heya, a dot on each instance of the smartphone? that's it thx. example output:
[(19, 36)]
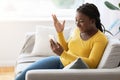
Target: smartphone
[(52, 37)]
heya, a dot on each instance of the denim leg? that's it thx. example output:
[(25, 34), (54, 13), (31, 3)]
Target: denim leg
[(52, 62)]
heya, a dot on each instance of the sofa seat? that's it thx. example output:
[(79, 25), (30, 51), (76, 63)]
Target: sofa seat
[(25, 60)]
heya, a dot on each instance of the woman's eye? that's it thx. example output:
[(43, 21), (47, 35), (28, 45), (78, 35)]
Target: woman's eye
[(81, 21)]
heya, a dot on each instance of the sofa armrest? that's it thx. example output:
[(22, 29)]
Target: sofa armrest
[(74, 74)]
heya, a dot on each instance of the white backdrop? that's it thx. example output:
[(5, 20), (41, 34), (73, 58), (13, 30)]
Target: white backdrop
[(107, 16)]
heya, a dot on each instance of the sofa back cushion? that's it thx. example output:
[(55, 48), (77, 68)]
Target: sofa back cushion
[(111, 56)]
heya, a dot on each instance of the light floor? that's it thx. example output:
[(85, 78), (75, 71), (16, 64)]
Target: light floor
[(6, 73)]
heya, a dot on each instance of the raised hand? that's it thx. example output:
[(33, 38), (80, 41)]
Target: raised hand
[(58, 26)]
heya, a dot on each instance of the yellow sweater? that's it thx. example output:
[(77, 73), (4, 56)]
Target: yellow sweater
[(90, 51)]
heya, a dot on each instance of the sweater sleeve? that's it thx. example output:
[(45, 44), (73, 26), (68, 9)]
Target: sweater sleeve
[(96, 53), (62, 41)]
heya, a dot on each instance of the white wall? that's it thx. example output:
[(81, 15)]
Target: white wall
[(12, 34), (107, 16)]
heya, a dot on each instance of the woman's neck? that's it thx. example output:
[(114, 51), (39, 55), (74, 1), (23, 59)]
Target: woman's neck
[(87, 34), (90, 31)]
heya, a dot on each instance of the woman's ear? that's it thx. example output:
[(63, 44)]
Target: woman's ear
[(93, 21)]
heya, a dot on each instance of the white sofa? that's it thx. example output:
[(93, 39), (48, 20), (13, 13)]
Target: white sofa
[(25, 59)]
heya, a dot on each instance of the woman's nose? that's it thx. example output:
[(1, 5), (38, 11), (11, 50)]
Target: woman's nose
[(78, 24)]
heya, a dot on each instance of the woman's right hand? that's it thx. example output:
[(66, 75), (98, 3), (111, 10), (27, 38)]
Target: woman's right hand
[(58, 26)]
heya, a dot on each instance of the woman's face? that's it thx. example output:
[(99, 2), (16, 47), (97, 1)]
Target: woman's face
[(83, 22)]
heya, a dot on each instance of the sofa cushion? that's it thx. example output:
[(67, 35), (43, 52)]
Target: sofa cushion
[(42, 44), (27, 58), (28, 43), (111, 56), (77, 64)]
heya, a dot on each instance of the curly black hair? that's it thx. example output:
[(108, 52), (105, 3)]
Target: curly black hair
[(91, 11)]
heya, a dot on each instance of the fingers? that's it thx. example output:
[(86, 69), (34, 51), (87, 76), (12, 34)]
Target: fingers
[(63, 23), (58, 44), (53, 44), (54, 18)]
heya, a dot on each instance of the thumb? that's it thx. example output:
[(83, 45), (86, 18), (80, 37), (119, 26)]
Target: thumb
[(64, 23), (58, 44)]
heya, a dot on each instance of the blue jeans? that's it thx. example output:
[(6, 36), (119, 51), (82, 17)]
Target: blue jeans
[(52, 62)]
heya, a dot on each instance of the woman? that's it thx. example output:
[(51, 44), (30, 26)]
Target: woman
[(87, 42)]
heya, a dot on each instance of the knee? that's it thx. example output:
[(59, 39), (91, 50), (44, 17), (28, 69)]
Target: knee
[(19, 77)]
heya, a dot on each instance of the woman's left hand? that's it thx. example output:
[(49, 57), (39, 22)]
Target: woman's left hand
[(56, 47)]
